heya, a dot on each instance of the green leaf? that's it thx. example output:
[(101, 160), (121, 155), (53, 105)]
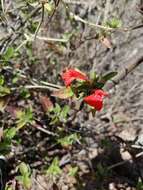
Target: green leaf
[(24, 169), (139, 185), (10, 133), (1, 80), (64, 112), (27, 182), (73, 171), (24, 178), (54, 168), (114, 23), (8, 187), (56, 109), (108, 76), (24, 118), (9, 53), (24, 93), (103, 79), (19, 178), (93, 75), (4, 91), (49, 7), (100, 169), (68, 140)]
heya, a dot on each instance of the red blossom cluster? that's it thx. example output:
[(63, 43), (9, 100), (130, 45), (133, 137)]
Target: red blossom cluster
[(95, 99)]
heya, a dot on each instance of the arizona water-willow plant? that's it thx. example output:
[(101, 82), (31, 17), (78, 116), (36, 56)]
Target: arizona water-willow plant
[(56, 100)]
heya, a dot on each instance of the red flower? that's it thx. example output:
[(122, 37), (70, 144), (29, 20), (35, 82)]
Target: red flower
[(96, 99), (71, 74)]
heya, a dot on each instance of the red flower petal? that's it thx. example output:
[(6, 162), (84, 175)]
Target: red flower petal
[(96, 99), (71, 74), (100, 92)]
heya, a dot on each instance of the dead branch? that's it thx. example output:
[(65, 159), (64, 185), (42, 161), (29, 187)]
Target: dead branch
[(124, 72)]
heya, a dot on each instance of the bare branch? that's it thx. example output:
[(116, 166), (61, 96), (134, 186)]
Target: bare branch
[(124, 72)]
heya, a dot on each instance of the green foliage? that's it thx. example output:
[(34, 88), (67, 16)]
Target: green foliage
[(25, 177), (108, 76), (49, 7), (73, 171), (24, 93), (102, 172), (114, 23), (54, 170), (8, 187), (10, 133), (24, 117), (29, 52), (8, 54), (139, 185), (59, 114), (100, 81), (64, 113), (3, 89), (93, 75), (1, 80), (68, 140), (5, 144)]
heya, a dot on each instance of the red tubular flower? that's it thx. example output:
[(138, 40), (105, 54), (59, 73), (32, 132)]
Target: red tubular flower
[(70, 75), (96, 99)]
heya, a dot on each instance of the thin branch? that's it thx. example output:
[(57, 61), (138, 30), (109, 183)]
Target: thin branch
[(12, 37), (48, 39), (78, 18), (56, 6), (3, 6), (41, 21), (33, 81), (46, 131), (49, 87), (124, 72), (124, 161)]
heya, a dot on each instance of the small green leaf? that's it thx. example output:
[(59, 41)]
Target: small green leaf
[(19, 178), (114, 23), (4, 91), (56, 109), (100, 169), (27, 182), (9, 53), (25, 177), (10, 133), (24, 169), (24, 118), (8, 187), (24, 93), (93, 75), (54, 168), (68, 140), (1, 80), (139, 185), (73, 171), (64, 112), (49, 7), (108, 76)]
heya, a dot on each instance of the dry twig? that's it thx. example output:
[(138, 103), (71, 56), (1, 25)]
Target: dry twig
[(124, 72)]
